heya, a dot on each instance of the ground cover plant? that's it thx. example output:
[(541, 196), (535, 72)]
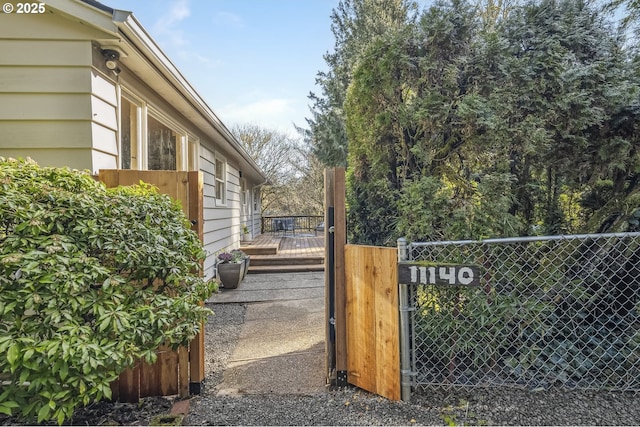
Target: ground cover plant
[(91, 280)]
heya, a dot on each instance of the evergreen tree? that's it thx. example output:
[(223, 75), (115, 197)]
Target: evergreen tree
[(459, 129), (355, 24)]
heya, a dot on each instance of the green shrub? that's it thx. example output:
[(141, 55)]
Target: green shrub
[(91, 280)]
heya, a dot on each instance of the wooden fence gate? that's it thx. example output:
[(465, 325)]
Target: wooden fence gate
[(363, 332), (175, 372), (373, 340)]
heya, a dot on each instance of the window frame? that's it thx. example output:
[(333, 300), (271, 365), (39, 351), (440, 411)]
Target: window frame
[(182, 155), (136, 134), (187, 145), (244, 193), (220, 202), (256, 199)]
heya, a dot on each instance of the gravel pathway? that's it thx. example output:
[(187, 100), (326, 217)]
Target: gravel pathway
[(351, 406)]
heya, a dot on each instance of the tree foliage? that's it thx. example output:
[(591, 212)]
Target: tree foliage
[(295, 180), (91, 280), (355, 23), (532, 120)]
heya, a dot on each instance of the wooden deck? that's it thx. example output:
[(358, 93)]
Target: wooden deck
[(275, 252)]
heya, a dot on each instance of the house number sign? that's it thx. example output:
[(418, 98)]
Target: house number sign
[(413, 273)]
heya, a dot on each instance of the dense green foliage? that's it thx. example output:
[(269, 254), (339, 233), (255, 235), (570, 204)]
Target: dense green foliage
[(551, 312), (355, 23), (460, 129), (91, 280)]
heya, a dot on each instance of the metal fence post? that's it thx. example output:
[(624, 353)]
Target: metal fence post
[(403, 250), (405, 347)]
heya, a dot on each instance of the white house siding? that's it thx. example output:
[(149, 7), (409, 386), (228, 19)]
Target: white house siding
[(221, 226), (45, 90), (104, 118)]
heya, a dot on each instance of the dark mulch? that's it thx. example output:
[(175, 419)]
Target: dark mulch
[(111, 414)]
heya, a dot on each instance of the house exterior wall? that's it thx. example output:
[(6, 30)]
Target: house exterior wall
[(60, 105), (222, 223), (46, 90)]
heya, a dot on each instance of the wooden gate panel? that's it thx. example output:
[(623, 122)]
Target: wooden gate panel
[(174, 371), (373, 349)]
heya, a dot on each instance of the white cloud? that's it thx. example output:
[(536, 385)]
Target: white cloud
[(166, 25)]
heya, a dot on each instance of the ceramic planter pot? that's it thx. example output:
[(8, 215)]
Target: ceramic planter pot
[(230, 274)]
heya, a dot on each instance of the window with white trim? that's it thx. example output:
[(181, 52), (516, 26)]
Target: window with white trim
[(151, 141), (243, 192), (221, 181), (163, 146), (256, 199)]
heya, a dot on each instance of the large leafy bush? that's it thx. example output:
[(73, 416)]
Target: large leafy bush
[(91, 280)]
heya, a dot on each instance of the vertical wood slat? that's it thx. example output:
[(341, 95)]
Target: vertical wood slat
[(129, 385), (172, 372), (183, 372), (373, 331)]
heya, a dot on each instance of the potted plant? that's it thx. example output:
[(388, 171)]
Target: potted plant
[(230, 270), (232, 267), (243, 258), (246, 236)]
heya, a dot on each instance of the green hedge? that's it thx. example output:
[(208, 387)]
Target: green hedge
[(91, 279)]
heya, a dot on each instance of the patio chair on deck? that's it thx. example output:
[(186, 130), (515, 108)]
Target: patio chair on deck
[(283, 226), (289, 227)]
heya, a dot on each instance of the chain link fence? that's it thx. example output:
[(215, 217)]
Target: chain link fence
[(557, 310)]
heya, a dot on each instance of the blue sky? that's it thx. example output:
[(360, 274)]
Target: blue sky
[(253, 61)]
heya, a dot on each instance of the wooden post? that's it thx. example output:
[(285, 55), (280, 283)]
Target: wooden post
[(196, 348), (339, 241), (328, 277), (335, 291)]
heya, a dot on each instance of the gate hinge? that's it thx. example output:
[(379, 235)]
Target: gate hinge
[(332, 229), (332, 321)]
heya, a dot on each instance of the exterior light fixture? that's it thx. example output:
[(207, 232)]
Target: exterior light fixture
[(111, 58)]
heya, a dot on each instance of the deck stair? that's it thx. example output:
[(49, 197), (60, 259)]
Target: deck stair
[(276, 253), (259, 250)]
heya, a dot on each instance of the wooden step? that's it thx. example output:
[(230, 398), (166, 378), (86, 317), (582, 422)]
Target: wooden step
[(260, 250), (259, 260), (260, 269)]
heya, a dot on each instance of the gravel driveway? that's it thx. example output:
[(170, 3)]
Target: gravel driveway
[(350, 406)]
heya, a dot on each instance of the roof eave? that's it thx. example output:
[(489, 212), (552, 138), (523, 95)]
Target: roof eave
[(132, 29)]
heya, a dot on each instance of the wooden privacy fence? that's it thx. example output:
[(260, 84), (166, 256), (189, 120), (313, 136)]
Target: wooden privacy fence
[(175, 372)]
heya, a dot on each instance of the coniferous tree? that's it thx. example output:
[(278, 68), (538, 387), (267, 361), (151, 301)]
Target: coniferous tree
[(355, 24)]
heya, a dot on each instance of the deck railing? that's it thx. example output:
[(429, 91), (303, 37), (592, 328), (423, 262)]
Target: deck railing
[(293, 224)]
